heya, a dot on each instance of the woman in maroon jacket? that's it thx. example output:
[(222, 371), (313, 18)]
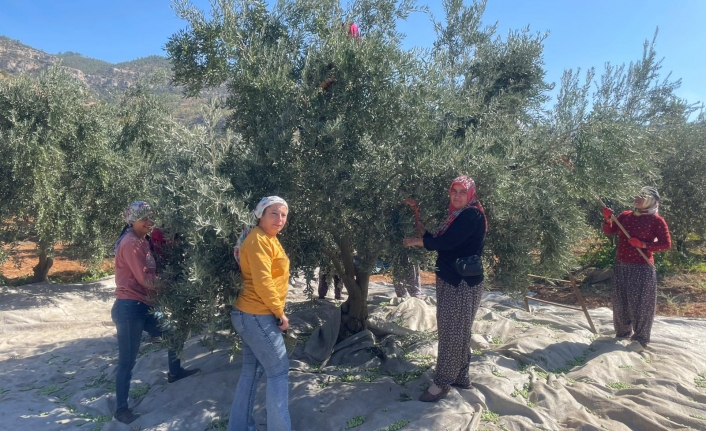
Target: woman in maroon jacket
[(634, 295)]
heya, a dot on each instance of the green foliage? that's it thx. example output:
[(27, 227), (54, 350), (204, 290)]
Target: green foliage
[(202, 214), (488, 416), (700, 380), (618, 385), (396, 426), (357, 421), (346, 128), (61, 178), (601, 254), (84, 64), (139, 391)]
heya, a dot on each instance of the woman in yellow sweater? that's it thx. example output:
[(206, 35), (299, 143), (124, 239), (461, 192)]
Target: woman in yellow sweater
[(258, 317)]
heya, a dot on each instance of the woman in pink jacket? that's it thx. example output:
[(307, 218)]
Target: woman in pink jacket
[(135, 287)]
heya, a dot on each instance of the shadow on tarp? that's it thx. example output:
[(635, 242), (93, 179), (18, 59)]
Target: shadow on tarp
[(47, 294)]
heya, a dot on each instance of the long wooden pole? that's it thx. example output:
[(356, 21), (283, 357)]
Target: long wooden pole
[(615, 220)]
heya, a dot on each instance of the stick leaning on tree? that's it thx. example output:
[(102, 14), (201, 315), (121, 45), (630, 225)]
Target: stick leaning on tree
[(615, 220)]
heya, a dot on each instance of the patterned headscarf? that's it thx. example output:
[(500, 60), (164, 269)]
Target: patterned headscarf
[(136, 211), (257, 212), (470, 186), (651, 202)]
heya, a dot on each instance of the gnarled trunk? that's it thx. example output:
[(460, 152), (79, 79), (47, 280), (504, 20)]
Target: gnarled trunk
[(41, 270), (354, 311)]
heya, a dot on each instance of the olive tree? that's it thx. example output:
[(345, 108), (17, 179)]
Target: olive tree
[(62, 181), (345, 128)]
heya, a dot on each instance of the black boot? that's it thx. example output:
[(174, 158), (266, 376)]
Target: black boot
[(125, 415)]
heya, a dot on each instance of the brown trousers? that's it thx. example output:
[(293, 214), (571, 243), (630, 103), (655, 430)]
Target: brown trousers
[(456, 308), (634, 300)]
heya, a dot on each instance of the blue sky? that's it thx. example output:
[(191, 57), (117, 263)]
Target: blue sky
[(582, 33)]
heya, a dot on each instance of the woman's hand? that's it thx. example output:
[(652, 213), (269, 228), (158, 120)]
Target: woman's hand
[(637, 243), (419, 227), (283, 323), (413, 242)]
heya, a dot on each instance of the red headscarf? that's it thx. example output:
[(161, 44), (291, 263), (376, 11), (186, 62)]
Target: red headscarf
[(470, 186)]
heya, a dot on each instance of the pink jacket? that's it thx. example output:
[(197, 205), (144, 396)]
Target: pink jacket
[(135, 270)]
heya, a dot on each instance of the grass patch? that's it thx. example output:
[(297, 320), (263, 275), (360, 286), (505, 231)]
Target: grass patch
[(218, 424), (404, 397), (150, 349), (700, 380), (3, 390), (100, 419), (578, 360), (139, 391), (357, 421), (618, 385), (408, 376), (627, 367), (372, 375), (396, 426), (50, 390), (524, 392), (488, 416)]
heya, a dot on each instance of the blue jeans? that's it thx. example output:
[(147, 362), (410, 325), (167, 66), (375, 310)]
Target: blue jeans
[(263, 351), (131, 317)]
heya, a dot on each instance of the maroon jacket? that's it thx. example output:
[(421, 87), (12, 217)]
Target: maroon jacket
[(651, 229)]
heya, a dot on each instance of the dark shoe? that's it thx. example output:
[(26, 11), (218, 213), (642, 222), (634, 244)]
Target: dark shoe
[(427, 396), (182, 374), (125, 415), (462, 386)]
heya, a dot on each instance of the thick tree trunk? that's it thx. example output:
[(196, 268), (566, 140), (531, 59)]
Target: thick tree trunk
[(354, 311), (41, 270)]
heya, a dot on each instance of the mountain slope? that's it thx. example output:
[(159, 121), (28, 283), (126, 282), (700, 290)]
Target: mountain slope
[(104, 78)]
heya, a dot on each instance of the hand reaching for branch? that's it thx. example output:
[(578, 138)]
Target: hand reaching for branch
[(413, 242)]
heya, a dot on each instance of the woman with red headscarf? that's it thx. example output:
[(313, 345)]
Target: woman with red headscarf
[(459, 242), (634, 284)]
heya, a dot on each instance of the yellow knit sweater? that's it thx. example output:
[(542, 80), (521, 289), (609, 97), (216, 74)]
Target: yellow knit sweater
[(264, 268)]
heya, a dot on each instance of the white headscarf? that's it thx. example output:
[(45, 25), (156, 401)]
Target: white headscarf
[(257, 212), (650, 204)]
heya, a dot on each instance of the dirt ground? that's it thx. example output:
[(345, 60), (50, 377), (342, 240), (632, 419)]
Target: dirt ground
[(64, 270), (678, 295)]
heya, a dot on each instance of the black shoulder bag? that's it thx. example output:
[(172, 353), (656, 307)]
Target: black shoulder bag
[(470, 266)]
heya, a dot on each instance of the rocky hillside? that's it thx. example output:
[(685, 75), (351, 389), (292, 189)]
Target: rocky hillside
[(105, 79)]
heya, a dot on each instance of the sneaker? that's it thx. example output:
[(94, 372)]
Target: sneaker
[(125, 415), (182, 374)]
